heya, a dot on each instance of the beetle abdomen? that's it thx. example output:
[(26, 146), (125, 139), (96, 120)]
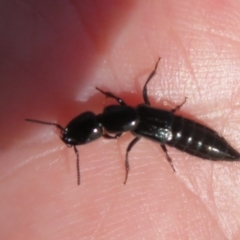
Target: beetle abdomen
[(199, 140)]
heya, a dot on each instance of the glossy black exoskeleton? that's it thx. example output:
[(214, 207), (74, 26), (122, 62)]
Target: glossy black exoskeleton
[(155, 124)]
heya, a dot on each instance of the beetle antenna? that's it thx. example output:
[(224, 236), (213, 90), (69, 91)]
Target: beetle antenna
[(78, 165), (46, 123)]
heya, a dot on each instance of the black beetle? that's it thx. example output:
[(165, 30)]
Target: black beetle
[(155, 124)]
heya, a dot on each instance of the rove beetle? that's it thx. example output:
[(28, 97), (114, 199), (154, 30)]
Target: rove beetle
[(156, 124)]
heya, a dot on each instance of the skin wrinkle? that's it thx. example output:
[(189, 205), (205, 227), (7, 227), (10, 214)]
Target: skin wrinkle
[(81, 21), (213, 202), (186, 60), (218, 217), (38, 14), (225, 120), (208, 208), (103, 217), (113, 73)]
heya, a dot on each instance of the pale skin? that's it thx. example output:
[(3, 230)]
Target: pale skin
[(53, 57)]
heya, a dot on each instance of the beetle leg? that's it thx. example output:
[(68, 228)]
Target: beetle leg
[(131, 144), (144, 92), (179, 106), (168, 157), (110, 95)]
